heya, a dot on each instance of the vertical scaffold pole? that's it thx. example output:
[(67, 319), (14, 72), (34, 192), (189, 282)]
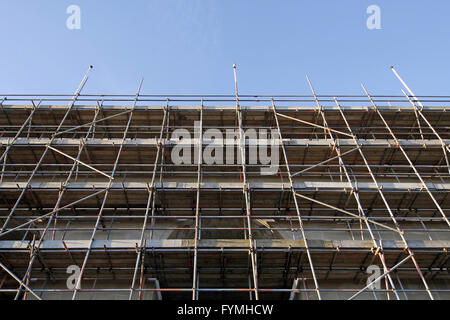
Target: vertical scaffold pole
[(294, 197), (245, 189), (150, 200), (198, 156)]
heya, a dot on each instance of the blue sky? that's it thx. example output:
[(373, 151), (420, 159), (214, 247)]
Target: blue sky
[(189, 46)]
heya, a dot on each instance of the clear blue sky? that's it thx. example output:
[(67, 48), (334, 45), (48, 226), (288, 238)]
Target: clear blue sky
[(189, 46)]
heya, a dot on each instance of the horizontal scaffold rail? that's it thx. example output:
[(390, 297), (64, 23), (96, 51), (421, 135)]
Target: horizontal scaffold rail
[(290, 108), (153, 142), (223, 243), (188, 186)]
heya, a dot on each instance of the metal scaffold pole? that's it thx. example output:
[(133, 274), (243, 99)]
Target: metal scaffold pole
[(245, 189), (294, 197)]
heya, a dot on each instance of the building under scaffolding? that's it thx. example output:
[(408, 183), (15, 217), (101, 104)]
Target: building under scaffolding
[(93, 207)]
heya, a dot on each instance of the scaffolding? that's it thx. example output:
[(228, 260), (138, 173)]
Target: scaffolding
[(89, 181)]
